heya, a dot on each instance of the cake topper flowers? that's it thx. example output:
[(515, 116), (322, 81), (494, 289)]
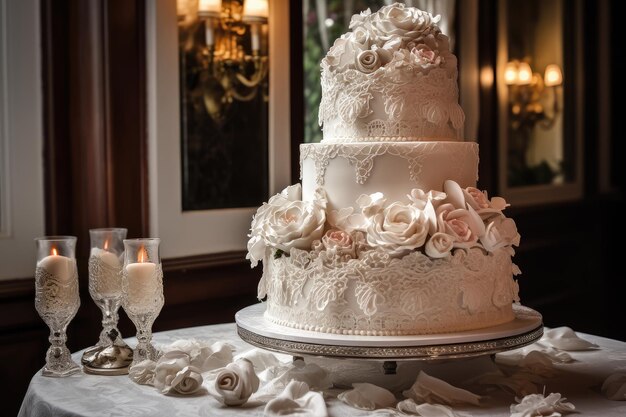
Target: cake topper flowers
[(396, 35)]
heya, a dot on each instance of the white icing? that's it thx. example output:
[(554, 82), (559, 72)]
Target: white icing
[(378, 295), (346, 171), (394, 76)]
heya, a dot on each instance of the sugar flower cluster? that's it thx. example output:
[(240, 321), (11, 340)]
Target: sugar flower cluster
[(435, 223), (395, 36)]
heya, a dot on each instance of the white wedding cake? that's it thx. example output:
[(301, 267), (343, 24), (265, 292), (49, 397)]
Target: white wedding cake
[(387, 234)]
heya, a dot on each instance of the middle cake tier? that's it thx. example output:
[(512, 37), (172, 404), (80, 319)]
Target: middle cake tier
[(347, 170)]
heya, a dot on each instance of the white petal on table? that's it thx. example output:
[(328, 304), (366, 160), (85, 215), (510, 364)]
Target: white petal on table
[(614, 387), (519, 383), (538, 405), (425, 410), (297, 400), (261, 359), (433, 390), (366, 396), (276, 378), (565, 338)]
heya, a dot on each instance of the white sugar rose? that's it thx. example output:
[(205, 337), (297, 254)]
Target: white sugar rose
[(361, 37), (368, 61), (186, 381), (407, 22), (420, 198), (286, 222), (398, 229), (500, 233), (361, 19), (344, 51), (167, 368), (439, 245), (463, 225), (235, 383)]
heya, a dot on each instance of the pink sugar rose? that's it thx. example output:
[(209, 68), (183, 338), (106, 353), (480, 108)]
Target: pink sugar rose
[(340, 242), (463, 225)]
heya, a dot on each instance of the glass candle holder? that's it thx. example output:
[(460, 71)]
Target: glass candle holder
[(105, 277), (143, 292), (110, 356), (57, 299)]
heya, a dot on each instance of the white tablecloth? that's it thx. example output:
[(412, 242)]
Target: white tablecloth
[(91, 395)]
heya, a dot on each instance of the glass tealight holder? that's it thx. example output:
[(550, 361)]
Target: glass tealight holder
[(143, 292), (57, 299), (110, 356)]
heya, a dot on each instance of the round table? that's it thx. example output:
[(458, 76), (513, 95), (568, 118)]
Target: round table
[(93, 395)]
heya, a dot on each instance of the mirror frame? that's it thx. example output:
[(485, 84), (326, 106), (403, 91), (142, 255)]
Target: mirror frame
[(186, 233), (548, 193)]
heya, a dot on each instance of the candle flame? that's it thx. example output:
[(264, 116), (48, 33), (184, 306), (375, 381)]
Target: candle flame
[(54, 251), (142, 254), (106, 244)]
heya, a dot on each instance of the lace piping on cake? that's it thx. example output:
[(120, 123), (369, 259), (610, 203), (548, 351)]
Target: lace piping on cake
[(380, 295), (366, 139), (407, 103), (362, 157)]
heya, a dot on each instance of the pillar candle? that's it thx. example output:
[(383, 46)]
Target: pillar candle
[(60, 267), (142, 282), (109, 281)]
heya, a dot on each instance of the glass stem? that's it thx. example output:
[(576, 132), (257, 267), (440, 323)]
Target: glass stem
[(110, 318)]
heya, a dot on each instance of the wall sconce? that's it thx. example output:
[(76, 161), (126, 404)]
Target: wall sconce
[(528, 91), (227, 71)]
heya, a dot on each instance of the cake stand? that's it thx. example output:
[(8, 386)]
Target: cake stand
[(526, 328)]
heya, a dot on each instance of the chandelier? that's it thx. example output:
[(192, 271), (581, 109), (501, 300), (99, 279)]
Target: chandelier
[(233, 62)]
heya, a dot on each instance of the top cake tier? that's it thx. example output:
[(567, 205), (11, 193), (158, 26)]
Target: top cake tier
[(391, 78)]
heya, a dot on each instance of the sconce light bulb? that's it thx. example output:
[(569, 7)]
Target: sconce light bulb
[(511, 73), (524, 74), (553, 76)]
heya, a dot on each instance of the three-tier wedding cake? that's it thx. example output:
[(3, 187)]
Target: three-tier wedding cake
[(387, 235)]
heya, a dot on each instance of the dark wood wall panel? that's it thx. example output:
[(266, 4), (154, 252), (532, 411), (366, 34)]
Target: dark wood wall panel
[(95, 157)]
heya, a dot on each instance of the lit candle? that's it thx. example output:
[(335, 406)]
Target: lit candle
[(142, 280), (109, 280), (60, 267)]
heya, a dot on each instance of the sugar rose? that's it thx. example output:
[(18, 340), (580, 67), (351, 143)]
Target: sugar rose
[(368, 61), (439, 245), (235, 383), (398, 229), (340, 242), (286, 222), (463, 225), (401, 21)]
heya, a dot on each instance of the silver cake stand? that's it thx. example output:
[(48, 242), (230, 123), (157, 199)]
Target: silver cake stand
[(526, 328)]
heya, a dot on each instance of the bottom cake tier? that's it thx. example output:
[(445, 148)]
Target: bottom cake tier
[(384, 296)]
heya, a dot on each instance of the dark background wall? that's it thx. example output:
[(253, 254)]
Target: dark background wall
[(95, 123)]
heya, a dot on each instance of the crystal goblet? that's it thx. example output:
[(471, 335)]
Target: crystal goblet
[(57, 299), (142, 281), (110, 356)]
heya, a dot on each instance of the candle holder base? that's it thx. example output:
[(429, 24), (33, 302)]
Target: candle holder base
[(70, 369), (113, 359)]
